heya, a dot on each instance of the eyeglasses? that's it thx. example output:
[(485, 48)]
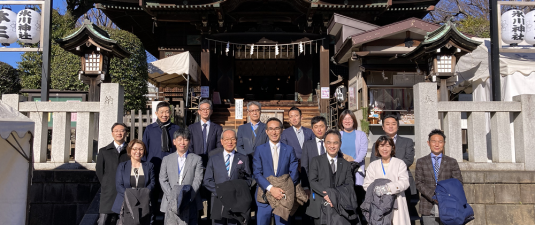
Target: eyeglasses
[(277, 129), (118, 131), (230, 139), (137, 149), (253, 111), (204, 110)]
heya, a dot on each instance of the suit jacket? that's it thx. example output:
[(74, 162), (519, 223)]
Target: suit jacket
[(245, 144), (152, 137), (263, 165), (425, 179), (107, 161), (192, 175), (320, 180), (196, 144), (405, 152), (310, 150), (289, 137), (123, 181), (216, 173)]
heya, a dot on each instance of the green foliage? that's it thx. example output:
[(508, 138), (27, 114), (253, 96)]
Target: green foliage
[(64, 65), (475, 26), (9, 81), (364, 123), (131, 73)]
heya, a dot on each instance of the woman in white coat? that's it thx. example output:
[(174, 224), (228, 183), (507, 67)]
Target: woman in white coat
[(393, 169)]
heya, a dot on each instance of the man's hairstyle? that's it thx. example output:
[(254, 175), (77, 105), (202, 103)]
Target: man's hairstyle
[(317, 119), (343, 115), (182, 132), (131, 145), (335, 132), (382, 141), (119, 124), (436, 131), (393, 117), (206, 101), (235, 135), (295, 108), (274, 119), (254, 103), (163, 104)]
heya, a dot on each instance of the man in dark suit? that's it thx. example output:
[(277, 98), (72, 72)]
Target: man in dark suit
[(158, 138), (223, 165), (431, 169), (328, 171), (108, 159), (312, 148), (252, 134), (273, 159), (296, 135), (205, 134), (405, 152)]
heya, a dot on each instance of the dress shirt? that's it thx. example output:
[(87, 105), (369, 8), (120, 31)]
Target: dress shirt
[(433, 159), (278, 147), (207, 128), (181, 165), (318, 143), (300, 135), (225, 155), (117, 146), (335, 161)]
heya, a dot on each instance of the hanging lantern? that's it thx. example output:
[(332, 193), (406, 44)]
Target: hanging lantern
[(276, 49), (252, 49), (28, 26), (301, 47), (228, 47), (530, 28), (513, 27), (8, 27)]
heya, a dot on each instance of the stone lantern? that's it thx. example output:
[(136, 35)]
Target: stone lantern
[(441, 50), (96, 50)]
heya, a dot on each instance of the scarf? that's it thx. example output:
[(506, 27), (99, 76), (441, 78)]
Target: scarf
[(165, 134)]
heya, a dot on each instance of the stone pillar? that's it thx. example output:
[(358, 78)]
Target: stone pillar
[(11, 100), (61, 137), (524, 124), (426, 114), (454, 141), (84, 137), (476, 135), (40, 136), (111, 111), (501, 137)]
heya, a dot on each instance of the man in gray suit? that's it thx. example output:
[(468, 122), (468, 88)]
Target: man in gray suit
[(405, 152), (182, 168)]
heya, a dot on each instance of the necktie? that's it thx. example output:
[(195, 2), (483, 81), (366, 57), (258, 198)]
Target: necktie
[(322, 149), (204, 131), (275, 155), (119, 149), (333, 166), (437, 168), (300, 137), (227, 164)]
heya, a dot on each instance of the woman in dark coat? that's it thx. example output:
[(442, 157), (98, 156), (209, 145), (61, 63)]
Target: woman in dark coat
[(133, 173)]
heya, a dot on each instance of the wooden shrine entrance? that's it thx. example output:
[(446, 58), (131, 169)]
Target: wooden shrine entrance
[(265, 79)]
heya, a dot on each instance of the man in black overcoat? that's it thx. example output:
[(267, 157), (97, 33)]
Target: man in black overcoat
[(108, 159)]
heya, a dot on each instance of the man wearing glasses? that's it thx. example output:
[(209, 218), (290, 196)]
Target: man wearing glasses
[(273, 159), (108, 159), (205, 138), (252, 134)]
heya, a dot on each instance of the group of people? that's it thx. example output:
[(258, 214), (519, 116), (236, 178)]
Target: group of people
[(316, 174)]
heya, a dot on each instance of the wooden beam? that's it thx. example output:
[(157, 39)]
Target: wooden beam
[(324, 75), (20, 49)]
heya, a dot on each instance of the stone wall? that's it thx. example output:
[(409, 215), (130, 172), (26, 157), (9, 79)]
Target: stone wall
[(61, 196), (504, 197)]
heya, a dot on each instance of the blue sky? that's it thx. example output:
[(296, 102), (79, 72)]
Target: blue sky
[(12, 58)]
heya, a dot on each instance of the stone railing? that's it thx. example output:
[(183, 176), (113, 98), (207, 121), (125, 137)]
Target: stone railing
[(511, 146), (109, 111)]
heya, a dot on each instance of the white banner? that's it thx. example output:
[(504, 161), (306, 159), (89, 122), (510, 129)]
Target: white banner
[(325, 93), (238, 106)]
